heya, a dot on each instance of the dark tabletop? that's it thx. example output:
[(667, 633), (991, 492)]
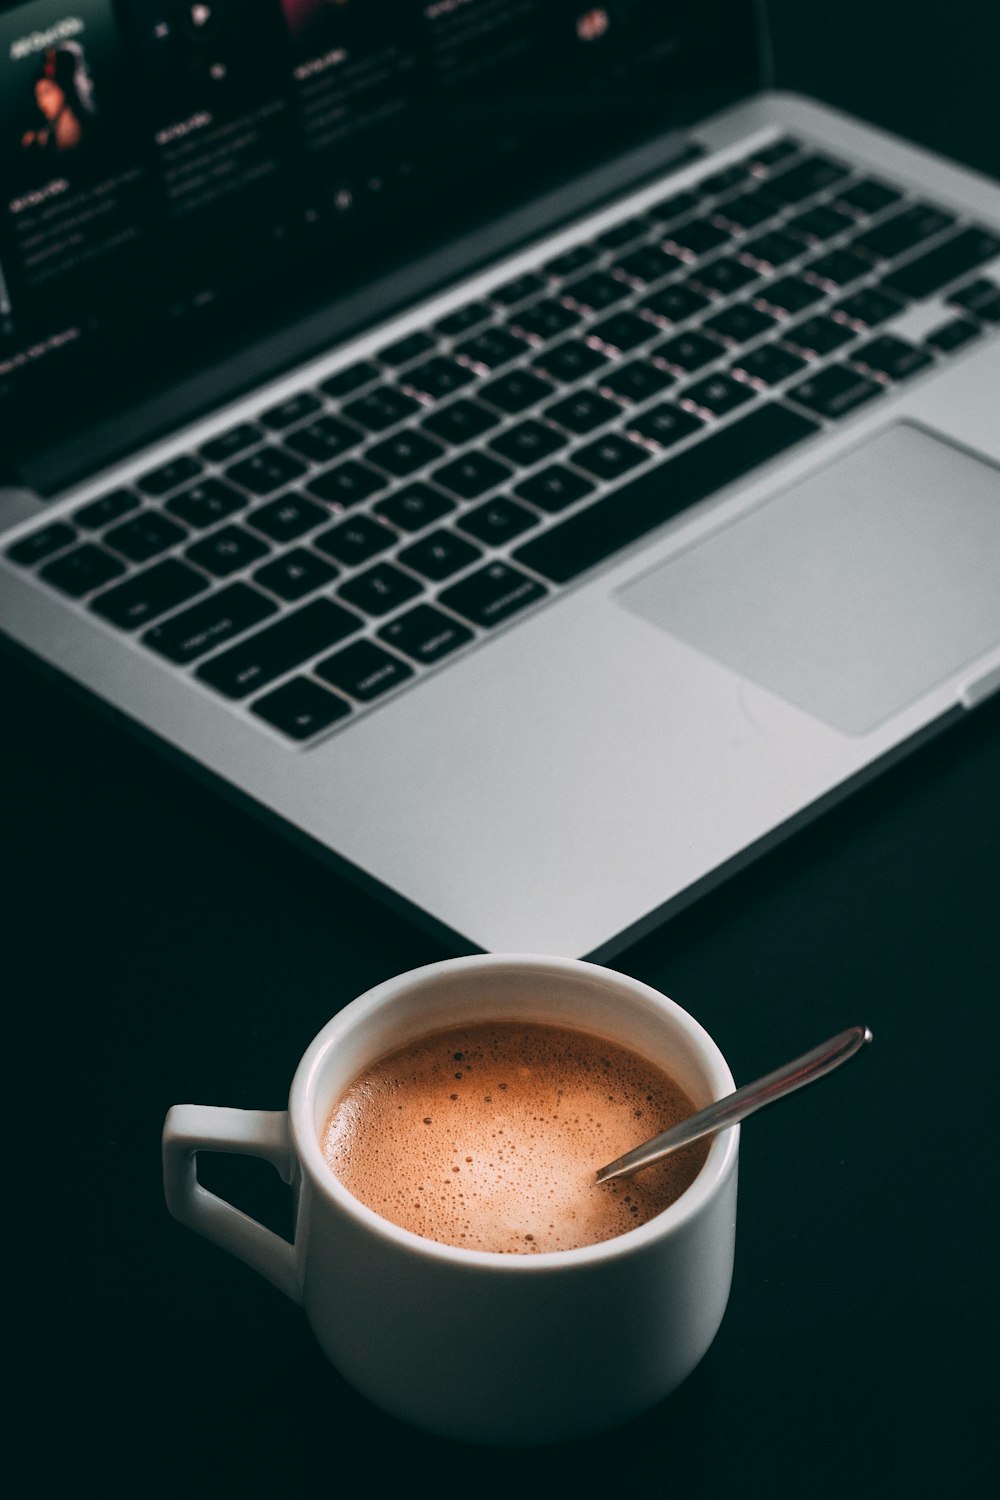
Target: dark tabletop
[(161, 946)]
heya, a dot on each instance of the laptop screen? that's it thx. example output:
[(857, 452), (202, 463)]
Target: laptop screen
[(181, 175)]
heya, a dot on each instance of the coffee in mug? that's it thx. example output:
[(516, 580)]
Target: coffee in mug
[(488, 1137)]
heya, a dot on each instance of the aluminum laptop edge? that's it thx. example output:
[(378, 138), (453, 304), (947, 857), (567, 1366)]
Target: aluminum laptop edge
[(594, 764)]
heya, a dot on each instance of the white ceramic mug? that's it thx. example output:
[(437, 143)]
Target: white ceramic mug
[(472, 1344)]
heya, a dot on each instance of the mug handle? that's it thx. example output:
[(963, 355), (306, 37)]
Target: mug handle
[(190, 1128)]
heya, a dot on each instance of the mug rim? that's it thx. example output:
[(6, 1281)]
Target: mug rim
[(719, 1163)]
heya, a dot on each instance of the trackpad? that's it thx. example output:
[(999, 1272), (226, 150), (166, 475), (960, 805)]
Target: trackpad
[(853, 592)]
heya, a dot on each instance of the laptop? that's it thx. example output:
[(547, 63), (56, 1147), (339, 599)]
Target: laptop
[(496, 439)]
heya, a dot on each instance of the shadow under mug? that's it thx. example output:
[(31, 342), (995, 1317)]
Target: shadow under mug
[(472, 1344)]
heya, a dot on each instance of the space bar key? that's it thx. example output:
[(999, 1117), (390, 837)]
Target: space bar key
[(594, 533)]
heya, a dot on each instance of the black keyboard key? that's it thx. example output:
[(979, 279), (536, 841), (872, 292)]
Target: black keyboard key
[(461, 421), (953, 335), (85, 568), (404, 452), (210, 623), (145, 535), (425, 634), (624, 233), (904, 231), (622, 331), (718, 395), (528, 443), (725, 179), (772, 250), (835, 391), (818, 335), (464, 318), (350, 379), (740, 323), (492, 594), (363, 670), (817, 225), (437, 378), (648, 263), (746, 211), (228, 444), (356, 540), (665, 425), (571, 261), (696, 237), (205, 503), (148, 594), (687, 352), (38, 545), (597, 291), (570, 361), (610, 456), (675, 303), (867, 197), (413, 508), (602, 528), (498, 521), (325, 439), (285, 519), (788, 296), (227, 551), (867, 308), (169, 476), (554, 488), (346, 484), (382, 588), (265, 471), (295, 574), (807, 177), (936, 268), (583, 411), (472, 475), (982, 298), (381, 408), (439, 555), (725, 275), (301, 708), (771, 156), (636, 381), (836, 268), (406, 349), (529, 284), (515, 391), (108, 508), (293, 409), (491, 348), (892, 357), (674, 207), (275, 650), (545, 320), (769, 364)]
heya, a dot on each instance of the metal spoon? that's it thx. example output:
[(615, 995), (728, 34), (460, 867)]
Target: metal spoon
[(735, 1107)]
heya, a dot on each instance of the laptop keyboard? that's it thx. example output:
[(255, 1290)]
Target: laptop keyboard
[(309, 562)]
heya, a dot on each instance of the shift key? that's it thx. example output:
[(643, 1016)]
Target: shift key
[(270, 652)]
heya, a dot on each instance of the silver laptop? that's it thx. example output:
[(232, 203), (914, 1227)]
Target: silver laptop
[(492, 437)]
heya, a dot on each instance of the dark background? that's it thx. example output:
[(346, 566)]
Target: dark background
[(161, 946)]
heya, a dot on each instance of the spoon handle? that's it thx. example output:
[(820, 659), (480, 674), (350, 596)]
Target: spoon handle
[(735, 1107)]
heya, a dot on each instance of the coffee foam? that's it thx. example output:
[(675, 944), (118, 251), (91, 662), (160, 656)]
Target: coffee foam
[(489, 1136)]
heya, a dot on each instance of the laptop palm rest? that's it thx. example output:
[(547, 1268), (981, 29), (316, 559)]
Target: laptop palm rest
[(853, 592)]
